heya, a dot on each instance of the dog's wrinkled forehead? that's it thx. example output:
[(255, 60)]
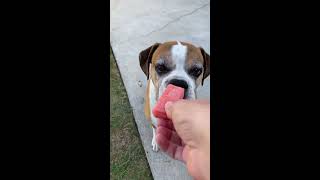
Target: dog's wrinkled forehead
[(177, 53)]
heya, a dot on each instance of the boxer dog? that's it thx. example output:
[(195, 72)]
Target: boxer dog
[(178, 63)]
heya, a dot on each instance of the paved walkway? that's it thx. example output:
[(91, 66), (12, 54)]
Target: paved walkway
[(136, 25)]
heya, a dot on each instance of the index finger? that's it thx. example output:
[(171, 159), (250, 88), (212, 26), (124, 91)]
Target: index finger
[(172, 108), (182, 105)]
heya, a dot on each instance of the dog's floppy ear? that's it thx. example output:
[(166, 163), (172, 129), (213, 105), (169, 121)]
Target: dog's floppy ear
[(145, 58), (206, 64)]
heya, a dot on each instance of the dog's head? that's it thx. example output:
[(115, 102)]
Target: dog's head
[(178, 63)]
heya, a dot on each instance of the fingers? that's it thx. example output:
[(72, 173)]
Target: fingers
[(165, 123), (186, 153), (173, 150), (170, 135), (172, 109), (202, 101), (168, 108), (178, 109), (168, 140)]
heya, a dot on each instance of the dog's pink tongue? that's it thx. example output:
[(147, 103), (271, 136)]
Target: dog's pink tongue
[(172, 93)]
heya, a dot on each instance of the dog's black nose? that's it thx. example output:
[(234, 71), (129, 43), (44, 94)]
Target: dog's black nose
[(179, 82)]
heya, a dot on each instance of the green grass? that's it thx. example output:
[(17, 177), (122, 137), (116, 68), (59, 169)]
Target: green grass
[(128, 159)]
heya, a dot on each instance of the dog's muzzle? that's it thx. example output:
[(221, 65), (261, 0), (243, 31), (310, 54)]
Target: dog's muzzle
[(180, 83)]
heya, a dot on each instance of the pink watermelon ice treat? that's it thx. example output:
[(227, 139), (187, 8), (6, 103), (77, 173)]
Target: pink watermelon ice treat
[(172, 93)]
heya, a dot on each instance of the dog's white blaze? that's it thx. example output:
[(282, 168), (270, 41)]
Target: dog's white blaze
[(179, 53)]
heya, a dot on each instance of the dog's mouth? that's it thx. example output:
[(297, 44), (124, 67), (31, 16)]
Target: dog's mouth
[(186, 94)]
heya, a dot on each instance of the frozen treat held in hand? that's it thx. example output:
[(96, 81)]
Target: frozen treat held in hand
[(172, 93)]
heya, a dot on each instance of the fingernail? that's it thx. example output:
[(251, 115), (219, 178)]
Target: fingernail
[(168, 105)]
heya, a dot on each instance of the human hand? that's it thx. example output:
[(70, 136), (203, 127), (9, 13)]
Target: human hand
[(185, 136)]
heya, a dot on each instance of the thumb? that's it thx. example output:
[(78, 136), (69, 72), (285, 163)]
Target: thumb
[(168, 108)]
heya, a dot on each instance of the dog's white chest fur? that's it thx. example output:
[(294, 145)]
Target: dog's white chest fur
[(179, 53), (153, 101)]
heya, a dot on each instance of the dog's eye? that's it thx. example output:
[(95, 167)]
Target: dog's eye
[(196, 72), (161, 69)]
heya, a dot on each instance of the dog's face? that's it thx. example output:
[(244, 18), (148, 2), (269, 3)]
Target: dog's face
[(177, 63)]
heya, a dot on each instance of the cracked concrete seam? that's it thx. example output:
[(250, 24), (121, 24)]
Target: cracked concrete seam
[(175, 20), (167, 24)]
